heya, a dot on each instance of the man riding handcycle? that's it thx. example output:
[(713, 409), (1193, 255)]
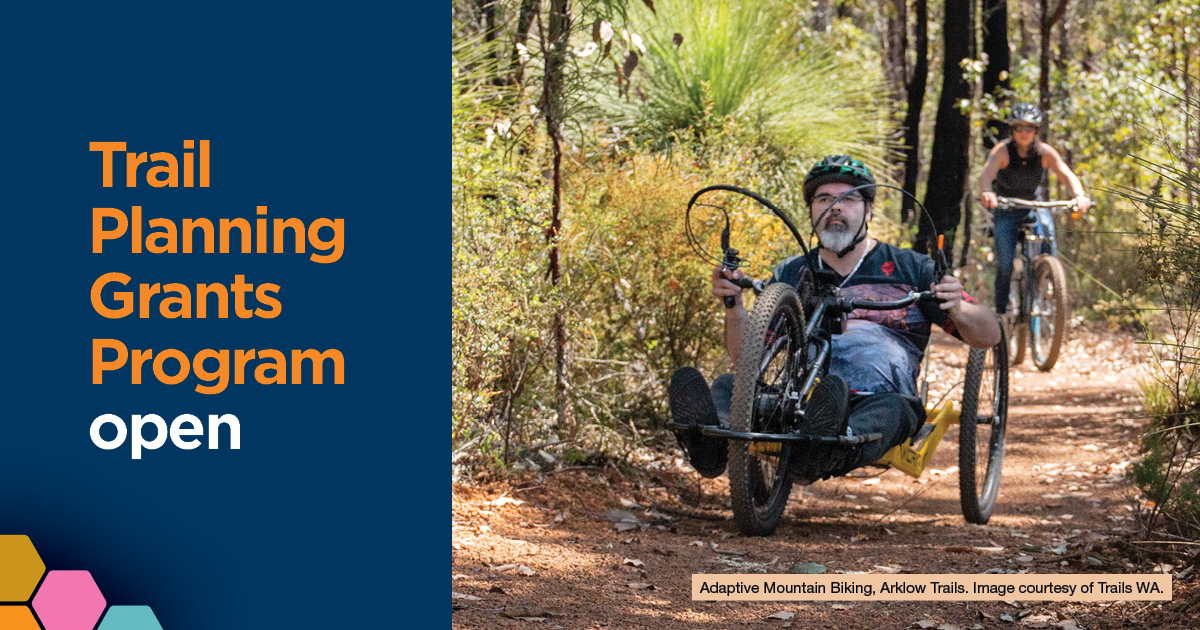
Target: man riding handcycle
[(828, 361)]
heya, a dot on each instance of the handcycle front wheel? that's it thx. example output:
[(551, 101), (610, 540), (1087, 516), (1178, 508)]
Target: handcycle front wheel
[(1047, 323), (759, 474), (981, 427)]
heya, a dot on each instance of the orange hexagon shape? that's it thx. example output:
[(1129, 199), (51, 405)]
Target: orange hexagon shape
[(21, 568), (17, 618)]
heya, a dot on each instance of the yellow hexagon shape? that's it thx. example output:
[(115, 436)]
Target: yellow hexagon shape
[(21, 568)]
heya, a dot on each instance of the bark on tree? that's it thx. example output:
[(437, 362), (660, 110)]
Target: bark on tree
[(489, 9), (895, 45), (912, 116), (820, 15), (894, 38), (1023, 49), (996, 75), (525, 16), (948, 168), (1189, 150), (1048, 21), (552, 107)]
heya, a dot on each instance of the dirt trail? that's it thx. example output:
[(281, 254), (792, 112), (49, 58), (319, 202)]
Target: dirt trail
[(1062, 508)]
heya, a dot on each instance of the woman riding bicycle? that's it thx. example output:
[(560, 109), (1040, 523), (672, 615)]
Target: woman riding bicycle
[(1015, 168), (877, 358)]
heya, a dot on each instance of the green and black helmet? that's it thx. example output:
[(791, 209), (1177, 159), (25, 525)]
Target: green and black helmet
[(838, 169)]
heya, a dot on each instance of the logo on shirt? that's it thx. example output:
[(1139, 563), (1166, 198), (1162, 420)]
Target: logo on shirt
[(888, 267)]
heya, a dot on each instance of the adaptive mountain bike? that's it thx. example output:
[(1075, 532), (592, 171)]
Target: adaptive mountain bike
[(785, 352), (1038, 290)]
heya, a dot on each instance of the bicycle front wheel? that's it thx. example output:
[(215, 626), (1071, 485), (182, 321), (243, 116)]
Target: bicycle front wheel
[(759, 476), (1047, 322), (981, 427)]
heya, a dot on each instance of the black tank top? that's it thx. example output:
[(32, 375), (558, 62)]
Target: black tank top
[(1022, 176)]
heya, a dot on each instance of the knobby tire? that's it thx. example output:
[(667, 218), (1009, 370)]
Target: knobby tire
[(759, 488), (981, 457), (1048, 276)]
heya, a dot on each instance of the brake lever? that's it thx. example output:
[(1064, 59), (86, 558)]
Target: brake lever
[(939, 263), (731, 263)]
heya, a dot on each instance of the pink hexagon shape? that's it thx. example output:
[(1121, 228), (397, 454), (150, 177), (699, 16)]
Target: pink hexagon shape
[(69, 600)]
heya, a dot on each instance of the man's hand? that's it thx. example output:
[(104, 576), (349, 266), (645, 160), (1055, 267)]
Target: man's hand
[(949, 289), (976, 324), (989, 200), (722, 287), (1083, 203)]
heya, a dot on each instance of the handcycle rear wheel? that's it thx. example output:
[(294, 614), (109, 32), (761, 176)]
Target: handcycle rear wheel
[(1047, 323), (759, 475), (981, 427)]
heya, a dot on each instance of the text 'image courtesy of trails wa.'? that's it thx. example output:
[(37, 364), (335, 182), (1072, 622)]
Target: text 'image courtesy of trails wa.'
[(882, 287)]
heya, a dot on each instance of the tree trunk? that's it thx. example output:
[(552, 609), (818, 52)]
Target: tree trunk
[(996, 79), (895, 46), (1060, 62), (487, 8), (912, 116), (820, 15), (529, 10), (552, 106), (1189, 151), (1048, 21), (967, 206), (948, 169)]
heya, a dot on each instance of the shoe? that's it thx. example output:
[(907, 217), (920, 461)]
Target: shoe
[(692, 405), (828, 408), (826, 413)]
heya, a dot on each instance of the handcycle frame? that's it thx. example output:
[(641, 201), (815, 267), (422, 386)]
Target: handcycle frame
[(1036, 230), (822, 313)]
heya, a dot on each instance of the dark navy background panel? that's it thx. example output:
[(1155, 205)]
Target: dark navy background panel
[(328, 508)]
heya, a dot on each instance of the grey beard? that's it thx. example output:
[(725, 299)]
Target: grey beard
[(835, 238)]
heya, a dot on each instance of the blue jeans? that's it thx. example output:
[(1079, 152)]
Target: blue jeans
[(1006, 228), (1006, 225)]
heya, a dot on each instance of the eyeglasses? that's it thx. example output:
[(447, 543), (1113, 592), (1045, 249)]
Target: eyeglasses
[(824, 200), (1024, 128)]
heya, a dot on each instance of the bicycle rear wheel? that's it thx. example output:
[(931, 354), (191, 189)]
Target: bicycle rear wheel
[(1018, 330), (981, 427), (1047, 322), (759, 475)]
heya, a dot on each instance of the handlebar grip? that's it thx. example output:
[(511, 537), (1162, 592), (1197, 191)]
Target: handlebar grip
[(928, 296), (745, 283)]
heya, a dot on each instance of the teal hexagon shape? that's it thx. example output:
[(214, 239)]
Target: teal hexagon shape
[(130, 618)]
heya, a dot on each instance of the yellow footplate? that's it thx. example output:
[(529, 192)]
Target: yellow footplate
[(912, 461)]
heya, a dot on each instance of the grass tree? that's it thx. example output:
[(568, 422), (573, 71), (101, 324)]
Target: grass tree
[(754, 62)]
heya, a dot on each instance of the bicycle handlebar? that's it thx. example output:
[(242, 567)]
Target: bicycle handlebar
[(1008, 203), (847, 304)]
